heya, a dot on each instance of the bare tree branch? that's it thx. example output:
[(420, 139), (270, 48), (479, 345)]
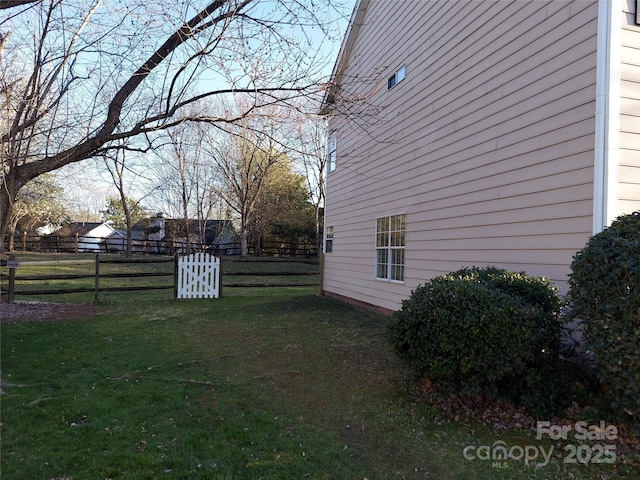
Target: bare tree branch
[(86, 87)]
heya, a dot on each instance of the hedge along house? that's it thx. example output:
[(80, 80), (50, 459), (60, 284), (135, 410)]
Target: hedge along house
[(467, 133)]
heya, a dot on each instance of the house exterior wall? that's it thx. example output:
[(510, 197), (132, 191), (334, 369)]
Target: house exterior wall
[(628, 193), (487, 145), (90, 241)]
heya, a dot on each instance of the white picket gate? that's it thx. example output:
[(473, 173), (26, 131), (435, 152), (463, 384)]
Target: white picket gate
[(198, 276)]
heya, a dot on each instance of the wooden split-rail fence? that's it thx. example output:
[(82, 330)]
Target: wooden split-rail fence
[(198, 275)]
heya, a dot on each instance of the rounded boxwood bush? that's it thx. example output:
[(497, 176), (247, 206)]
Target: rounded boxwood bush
[(604, 294), (484, 330)]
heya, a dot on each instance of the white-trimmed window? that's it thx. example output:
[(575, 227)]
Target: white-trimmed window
[(331, 151), (390, 240), (396, 78), (328, 239)]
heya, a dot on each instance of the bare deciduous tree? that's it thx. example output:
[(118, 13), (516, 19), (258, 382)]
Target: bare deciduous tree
[(116, 165), (79, 77), (309, 136), (244, 161), (180, 173)]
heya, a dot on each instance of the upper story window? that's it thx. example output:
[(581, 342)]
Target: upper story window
[(331, 152), (396, 78)]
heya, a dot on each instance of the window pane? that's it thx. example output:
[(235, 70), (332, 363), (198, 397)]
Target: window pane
[(382, 232), (332, 142), (397, 231), (397, 239), (394, 239), (396, 78), (397, 256), (382, 263), (383, 225), (398, 273), (382, 240), (397, 223), (397, 262), (328, 239), (331, 152)]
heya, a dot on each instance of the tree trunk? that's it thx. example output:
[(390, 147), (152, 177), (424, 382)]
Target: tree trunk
[(187, 233), (319, 232), (8, 193), (257, 251), (128, 220), (243, 240), (185, 214), (127, 213), (12, 234)]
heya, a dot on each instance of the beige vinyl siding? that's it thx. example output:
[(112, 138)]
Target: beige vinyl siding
[(629, 166), (487, 145)]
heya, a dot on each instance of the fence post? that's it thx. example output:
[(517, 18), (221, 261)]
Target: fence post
[(24, 241), (175, 276), (12, 280), (97, 284), (220, 276), (76, 249), (321, 265)]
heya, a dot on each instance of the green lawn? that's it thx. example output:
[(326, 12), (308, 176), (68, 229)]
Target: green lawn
[(273, 383)]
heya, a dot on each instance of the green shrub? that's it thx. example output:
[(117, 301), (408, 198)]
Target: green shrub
[(484, 331), (604, 293)]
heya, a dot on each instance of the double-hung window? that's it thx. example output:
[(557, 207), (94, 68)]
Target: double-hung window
[(390, 241), (328, 239)]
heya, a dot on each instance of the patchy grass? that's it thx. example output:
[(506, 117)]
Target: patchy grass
[(270, 271), (263, 383)]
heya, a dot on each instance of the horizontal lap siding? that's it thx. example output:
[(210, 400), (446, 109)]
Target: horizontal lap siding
[(629, 165), (487, 145)]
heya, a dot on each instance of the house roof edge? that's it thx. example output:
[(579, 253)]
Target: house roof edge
[(345, 50)]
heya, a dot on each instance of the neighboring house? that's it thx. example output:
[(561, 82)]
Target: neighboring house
[(215, 236), (80, 236), (167, 236), (117, 241), (47, 229), (477, 133), (146, 237)]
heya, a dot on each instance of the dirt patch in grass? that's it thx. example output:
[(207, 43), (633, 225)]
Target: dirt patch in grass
[(21, 312)]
